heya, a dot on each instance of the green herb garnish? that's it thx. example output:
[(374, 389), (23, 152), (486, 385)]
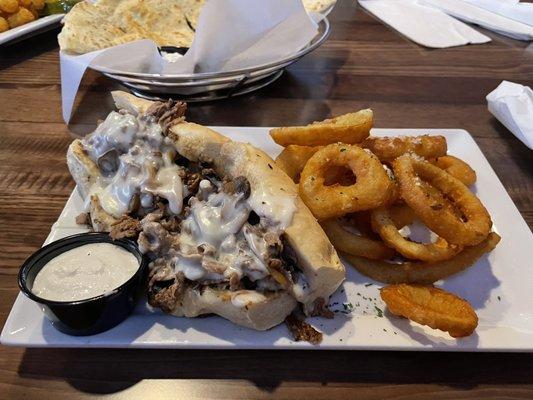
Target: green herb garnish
[(348, 308)]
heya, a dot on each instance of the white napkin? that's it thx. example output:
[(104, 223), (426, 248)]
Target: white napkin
[(479, 16), (241, 33), (426, 26), (230, 34), (141, 56), (512, 104), (514, 9)]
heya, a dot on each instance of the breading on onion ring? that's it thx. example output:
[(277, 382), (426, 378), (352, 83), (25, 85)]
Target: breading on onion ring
[(348, 128), (384, 225), (422, 272), (431, 306), (372, 188), (457, 168), (402, 215), (468, 230), (439, 199), (361, 222), (352, 243), (293, 158), (389, 148)]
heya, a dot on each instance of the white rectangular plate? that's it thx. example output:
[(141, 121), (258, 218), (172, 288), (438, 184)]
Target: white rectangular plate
[(31, 28), (499, 286)]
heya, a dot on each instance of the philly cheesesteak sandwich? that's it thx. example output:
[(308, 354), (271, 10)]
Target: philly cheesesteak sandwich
[(223, 226)]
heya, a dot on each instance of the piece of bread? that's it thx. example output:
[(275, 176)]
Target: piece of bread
[(273, 195), (87, 27), (192, 9), (84, 171), (106, 23), (318, 5), (244, 307)]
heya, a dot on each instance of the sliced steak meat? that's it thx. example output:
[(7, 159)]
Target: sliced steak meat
[(290, 258), (108, 162), (270, 240), (206, 249), (238, 185), (125, 227), (302, 331), (167, 295), (84, 219), (275, 263), (154, 216), (242, 185), (235, 282), (168, 113), (192, 181), (320, 309), (208, 172), (160, 270), (273, 241), (171, 224), (155, 238), (212, 265)]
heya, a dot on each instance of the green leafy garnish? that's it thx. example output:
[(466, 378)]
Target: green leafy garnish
[(348, 308)]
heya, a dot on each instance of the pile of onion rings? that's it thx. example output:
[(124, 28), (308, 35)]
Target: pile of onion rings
[(368, 192)]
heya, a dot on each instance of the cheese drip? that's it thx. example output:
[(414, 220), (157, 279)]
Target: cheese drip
[(137, 164), (218, 225)]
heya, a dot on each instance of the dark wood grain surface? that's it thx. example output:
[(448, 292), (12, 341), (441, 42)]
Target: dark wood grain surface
[(363, 64)]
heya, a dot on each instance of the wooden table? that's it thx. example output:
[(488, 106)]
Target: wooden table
[(363, 64)]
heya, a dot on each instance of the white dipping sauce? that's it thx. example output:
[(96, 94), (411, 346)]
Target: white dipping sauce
[(84, 272)]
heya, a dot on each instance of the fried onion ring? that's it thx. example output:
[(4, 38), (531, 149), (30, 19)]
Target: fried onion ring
[(361, 221), (431, 306), (389, 148), (293, 158), (384, 225), (469, 229), (402, 215), (457, 168), (422, 272), (351, 243), (372, 189), (348, 128)]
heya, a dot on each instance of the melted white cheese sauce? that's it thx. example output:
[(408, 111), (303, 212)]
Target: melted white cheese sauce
[(84, 272), (266, 202), (145, 164), (220, 221)]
